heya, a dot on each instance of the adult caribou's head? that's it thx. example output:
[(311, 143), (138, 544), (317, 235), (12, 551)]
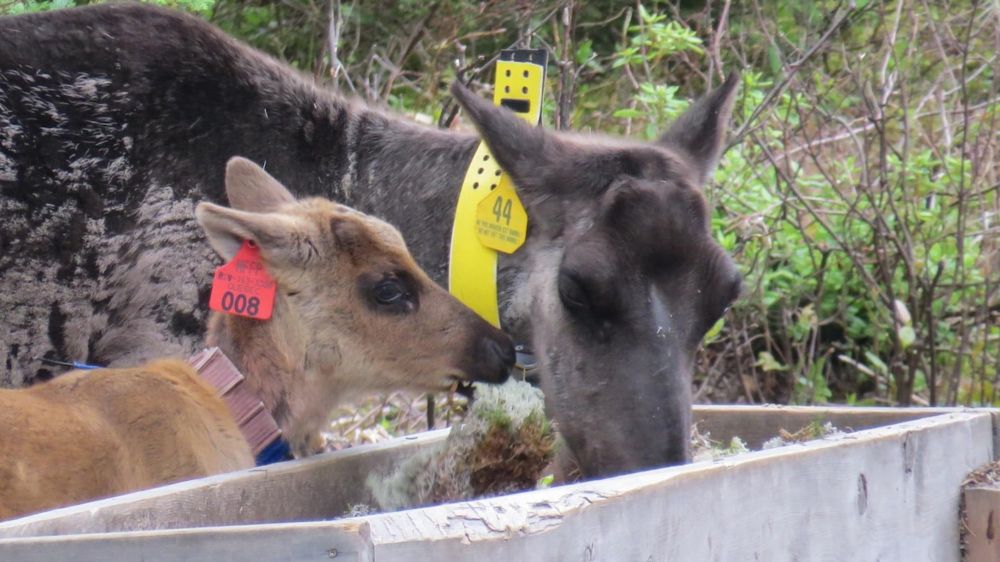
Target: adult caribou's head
[(623, 276)]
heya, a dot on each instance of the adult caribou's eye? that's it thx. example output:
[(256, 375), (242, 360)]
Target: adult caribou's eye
[(388, 291), (572, 293)]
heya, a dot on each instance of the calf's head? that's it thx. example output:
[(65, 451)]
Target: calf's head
[(353, 312), (623, 276)]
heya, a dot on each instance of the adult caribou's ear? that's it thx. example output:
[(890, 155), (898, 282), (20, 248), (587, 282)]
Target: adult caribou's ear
[(701, 130), (250, 188), (281, 238), (522, 150)]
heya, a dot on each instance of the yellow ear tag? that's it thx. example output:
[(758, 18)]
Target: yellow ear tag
[(501, 221)]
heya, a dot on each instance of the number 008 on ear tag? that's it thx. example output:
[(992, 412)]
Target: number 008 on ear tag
[(243, 286)]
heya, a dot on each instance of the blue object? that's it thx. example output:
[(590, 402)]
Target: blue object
[(84, 366), (70, 364), (275, 452)]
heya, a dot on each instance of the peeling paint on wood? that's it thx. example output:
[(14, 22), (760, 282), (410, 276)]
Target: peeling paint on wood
[(800, 502)]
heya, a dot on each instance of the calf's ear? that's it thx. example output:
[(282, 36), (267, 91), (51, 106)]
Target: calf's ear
[(700, 132), (282, 239), (250, 188)]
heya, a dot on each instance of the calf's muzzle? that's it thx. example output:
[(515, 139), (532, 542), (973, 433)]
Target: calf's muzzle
[(491, 356)]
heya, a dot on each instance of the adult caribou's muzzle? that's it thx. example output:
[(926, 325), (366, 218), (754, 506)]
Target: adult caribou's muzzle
[(625, 411)]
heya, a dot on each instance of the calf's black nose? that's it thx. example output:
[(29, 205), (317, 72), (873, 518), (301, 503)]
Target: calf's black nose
[(498, 355)]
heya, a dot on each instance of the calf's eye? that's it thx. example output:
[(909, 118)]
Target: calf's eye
[(388, 291)]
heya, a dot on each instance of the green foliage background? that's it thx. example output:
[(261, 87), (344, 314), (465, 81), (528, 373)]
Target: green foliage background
[(858, 194)]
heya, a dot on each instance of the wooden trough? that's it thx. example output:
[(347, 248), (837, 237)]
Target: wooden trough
[(887, 491)]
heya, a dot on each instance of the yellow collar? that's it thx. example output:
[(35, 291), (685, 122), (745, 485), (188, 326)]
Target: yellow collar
[(489, 216)]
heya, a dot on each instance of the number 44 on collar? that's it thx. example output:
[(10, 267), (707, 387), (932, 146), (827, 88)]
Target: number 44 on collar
[(489, 216)]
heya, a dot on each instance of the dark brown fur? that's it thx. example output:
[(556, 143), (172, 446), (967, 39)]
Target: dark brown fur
[(114, 119)]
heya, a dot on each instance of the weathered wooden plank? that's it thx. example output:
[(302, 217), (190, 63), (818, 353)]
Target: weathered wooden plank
[(982, 521), (325, 486), (303, 542), (756, 424), (317, 488), (883, 494)]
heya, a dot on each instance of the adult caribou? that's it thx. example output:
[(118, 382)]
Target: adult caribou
[(116, 119)]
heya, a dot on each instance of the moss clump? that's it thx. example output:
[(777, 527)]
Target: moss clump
[(511, 459), (502, 446)]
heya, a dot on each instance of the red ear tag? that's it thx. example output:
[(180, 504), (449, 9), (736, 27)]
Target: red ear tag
[(243, 286)]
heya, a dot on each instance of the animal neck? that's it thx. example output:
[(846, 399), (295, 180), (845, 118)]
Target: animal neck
[(397, 156), (269, 353), (410, 175)]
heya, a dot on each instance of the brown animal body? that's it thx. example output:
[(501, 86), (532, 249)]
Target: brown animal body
[(94, 434), (353, 314)]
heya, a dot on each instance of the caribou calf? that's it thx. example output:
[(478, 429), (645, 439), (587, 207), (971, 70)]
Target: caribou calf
[(353, 314)]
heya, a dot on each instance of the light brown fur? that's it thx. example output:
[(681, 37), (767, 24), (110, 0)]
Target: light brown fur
[(93, 434), (328, 341), (87, 435)]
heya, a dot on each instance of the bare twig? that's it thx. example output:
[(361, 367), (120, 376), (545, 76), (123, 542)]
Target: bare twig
[(415, 36), (716, 57), (334, 27)]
